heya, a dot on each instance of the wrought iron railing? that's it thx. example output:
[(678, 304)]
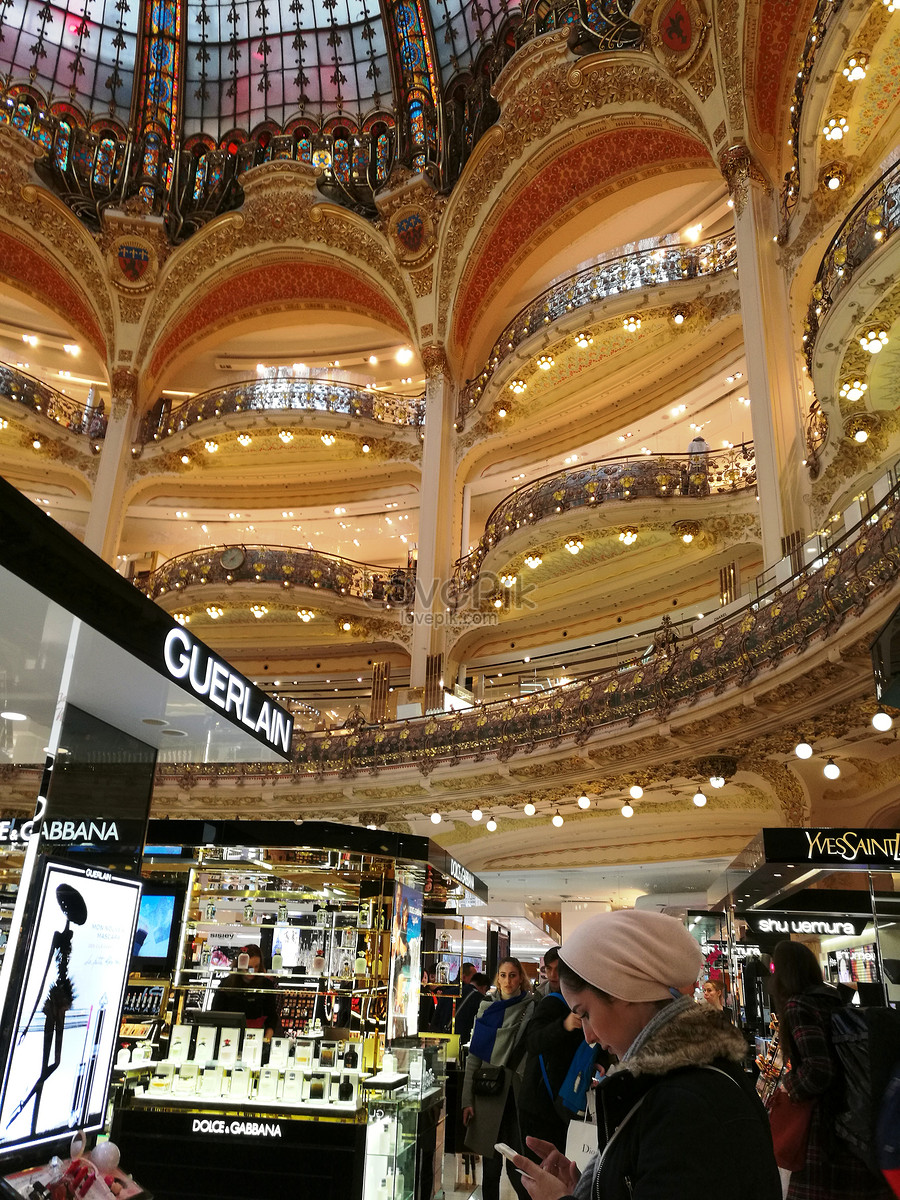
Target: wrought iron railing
[(872, 221), (39, 397), (821, 20), (648, 268), (283, 395), (813, 603), (633, 477), (286, 566)]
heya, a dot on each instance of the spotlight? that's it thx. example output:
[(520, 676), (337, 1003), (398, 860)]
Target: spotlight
[(882, 721), (699, 799), (831, 770), (627, 810), (803, 750), (584, 801), (557, 819)]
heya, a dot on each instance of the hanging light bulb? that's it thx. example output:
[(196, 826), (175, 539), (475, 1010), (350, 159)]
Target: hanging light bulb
[(490, 824), (435, 818), (831, 770), (635, 791), (557, 819), (477, 814), (627, 810), (716, 781), (584, 801), (803, 750), (882, 721), (699, 799), (530, 810)]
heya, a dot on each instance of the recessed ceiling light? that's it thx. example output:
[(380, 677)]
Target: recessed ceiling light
[(153, 721), (13, 716), (173, 733)]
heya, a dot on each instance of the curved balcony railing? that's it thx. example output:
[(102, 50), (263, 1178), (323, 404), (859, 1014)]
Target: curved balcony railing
[(39, 397), (822, 19), (659, 477), (870, 223), (624, 273), (284, 565), (814, 603), (283, 395)]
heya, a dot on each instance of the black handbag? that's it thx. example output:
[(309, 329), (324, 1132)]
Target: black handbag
[(489, 1081)]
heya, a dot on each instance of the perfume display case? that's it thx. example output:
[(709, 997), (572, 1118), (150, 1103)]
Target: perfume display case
[(294, 1059)]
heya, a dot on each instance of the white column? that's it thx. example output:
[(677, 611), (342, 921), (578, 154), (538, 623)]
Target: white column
[(104, 523), (772, 359), (433, 568), (466, 521)]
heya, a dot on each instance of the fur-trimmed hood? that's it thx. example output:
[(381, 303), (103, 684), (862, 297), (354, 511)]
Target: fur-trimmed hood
[(696, 1037)]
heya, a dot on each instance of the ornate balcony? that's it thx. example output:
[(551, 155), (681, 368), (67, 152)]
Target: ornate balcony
[(284, 395), (282, 565), (40, 398), (844, 581), (658, 477), (626, 272)]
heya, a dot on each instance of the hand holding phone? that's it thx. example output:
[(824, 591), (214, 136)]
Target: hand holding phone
[(506, 1151)]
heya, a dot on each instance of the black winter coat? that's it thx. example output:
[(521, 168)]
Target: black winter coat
[(547, 1038), (694, 1126)]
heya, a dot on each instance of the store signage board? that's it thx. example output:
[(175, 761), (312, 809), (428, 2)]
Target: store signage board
[(406, 973), (841, 848), (810, 924), (76, 831), (65, 1030), (197, 669)]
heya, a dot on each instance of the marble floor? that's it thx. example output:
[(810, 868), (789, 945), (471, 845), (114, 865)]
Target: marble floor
[(456, 1187)]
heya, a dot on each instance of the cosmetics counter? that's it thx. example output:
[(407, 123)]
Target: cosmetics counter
[(342, 1096)]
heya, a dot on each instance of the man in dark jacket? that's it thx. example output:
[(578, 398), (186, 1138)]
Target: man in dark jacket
[(468, 1006), (552, 1039)]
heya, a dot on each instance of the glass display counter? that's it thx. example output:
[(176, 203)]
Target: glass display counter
[(405, 1134)]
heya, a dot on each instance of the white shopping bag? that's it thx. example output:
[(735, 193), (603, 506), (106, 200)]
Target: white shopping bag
[(581, 1136)]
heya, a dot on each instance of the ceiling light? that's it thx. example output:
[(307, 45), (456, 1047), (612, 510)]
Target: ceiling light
[(435, 818), (477, 814), (501, 412), (635, 791), (874, 340), (30, 339), (490, 824), (181, 618), (861, 435), (853, 390), (631, 324), (373, 361), (545, 362), (13, 716), (258, 610), (518, 386), (855, 70), (71, 348), (508, 580), (716, 781), (529, 809), (286, 436), (305, 615), (831, 770), (583, 340), (574, 545), (678, 316), (699, 799), (498, 602), (244, 439), (36, 442), (834, 177), (328, 439), (584, 801), (627, 810), (533, 560), (345, 625), (803, 750), (366, 447), (185, 458), (404, 356), (211, 447), (628, 536), (882, 721), (4, 424), (835, 128), (557, 819), (214, 612), (692, 233)]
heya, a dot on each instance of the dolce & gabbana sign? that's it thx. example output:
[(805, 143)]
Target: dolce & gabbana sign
[(851, 849)]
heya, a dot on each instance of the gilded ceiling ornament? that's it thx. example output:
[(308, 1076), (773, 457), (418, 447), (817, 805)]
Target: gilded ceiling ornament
[(704, 80), (678, 35), (740, 170), (434, 360), (423, 283), (789, 789)]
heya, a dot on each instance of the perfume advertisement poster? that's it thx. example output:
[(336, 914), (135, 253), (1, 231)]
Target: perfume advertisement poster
[(406, 970), (57, 1072)]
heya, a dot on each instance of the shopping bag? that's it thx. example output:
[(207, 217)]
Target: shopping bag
[(581, 1135), (789, 1120)]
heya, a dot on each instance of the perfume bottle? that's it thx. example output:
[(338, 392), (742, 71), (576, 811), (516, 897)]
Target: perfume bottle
[(248, 910), (282, 913), (351, 1057), (210, 910), (345, 1089)]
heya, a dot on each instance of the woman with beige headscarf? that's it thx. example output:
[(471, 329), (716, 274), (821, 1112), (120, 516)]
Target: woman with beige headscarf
[(677, 1111)]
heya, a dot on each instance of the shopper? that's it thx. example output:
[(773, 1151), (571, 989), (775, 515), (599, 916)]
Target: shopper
[(804, 1004), (714, 993), (553, 1037), (497, 1042), (467, 1011), (677, 1111), (251, 992)]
